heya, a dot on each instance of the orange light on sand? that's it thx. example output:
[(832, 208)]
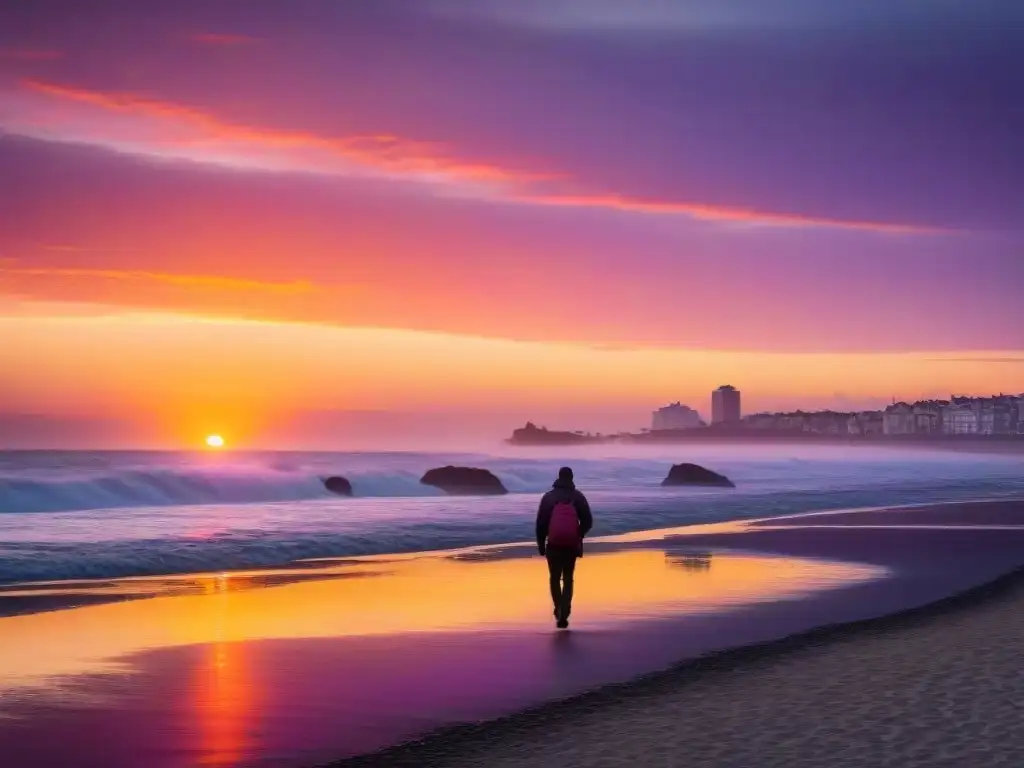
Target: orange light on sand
[(214, 441), (435, 593)]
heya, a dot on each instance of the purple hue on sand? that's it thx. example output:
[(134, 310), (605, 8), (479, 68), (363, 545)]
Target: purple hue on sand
[(969, 513)]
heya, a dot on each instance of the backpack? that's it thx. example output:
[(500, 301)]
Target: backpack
[(564, 529)]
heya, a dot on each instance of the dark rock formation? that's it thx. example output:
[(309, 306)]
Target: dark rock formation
[(338, 485), (693, 474), (464, 481)]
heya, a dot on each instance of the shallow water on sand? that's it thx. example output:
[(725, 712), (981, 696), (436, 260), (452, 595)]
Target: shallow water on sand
[(310, 664), (323, 660), (459, 592)]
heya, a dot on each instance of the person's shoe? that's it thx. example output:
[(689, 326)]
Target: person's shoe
[(562, 624)]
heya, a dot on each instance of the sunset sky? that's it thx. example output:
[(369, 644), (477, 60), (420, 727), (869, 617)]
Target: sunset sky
[(305, 223)]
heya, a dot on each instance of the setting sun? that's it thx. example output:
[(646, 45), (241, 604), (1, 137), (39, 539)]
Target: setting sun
[(214, 441)]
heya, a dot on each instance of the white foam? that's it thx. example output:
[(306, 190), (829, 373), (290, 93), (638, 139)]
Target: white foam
[(103, 515)]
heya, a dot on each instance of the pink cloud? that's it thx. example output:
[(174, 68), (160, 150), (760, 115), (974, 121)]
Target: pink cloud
[(160, 127), (382, 153), (723, 214)]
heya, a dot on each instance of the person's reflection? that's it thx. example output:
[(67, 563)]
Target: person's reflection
[(690, 561)]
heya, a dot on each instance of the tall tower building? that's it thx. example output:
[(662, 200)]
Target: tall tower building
[(725, 405)]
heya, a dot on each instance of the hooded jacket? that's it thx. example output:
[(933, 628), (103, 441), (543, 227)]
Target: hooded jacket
[(562, 490)]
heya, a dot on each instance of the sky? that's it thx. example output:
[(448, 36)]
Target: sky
[(313, 222)]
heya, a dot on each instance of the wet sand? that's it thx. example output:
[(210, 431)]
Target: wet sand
[(971, 513), (935, 687), (299, 666), (303, 665), (930, 678)]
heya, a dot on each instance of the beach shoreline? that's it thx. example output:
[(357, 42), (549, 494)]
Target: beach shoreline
[(484, 742), (53, 596), (344, 658), (508, 738)]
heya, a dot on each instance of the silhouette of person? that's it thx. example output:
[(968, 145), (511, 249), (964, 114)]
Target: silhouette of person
[(563, 519)]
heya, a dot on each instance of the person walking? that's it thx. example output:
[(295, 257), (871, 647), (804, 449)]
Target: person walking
[(563, 519)]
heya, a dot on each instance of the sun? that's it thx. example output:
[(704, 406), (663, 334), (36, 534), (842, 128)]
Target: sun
[(214, 441)]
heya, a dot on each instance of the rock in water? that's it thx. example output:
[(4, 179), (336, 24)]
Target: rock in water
[(338, 485), (694, 474), (464, 481)]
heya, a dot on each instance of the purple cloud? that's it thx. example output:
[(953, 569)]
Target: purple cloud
[(777, 175)]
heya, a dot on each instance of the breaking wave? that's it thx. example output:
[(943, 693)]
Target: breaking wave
[(92, 515), (172, 487)]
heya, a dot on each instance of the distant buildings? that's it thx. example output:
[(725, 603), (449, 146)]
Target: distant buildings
[(816, 423), (921, 418), (990, 416), (979, 416), (675, 416), (898, 419), (1005, 415), (867, 423), (928, 417), (725, 405), (999, 415), (961, 417)]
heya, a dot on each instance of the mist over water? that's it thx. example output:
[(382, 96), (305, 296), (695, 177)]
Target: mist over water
[(104, 514)]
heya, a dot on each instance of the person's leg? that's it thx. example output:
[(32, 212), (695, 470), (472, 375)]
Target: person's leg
[(568, 572), (555, 576)]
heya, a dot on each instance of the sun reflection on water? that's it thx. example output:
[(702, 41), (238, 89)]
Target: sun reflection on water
[(225, 700), (381, 596)]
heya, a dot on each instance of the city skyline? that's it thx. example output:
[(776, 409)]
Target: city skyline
[(446, 218), (962, 414)]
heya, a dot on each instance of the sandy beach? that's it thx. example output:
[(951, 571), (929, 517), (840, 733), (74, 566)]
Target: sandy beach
[(937, 687), (343, 659)]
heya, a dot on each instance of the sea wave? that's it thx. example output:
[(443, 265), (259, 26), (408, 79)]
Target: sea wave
[(172, 487), (67, 489), (100, 515)]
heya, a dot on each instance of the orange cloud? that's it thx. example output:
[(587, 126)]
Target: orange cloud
[(223, 39), (391, 155), (190, 281)]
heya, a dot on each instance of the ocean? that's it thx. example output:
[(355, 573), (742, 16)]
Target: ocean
[(80, 514)]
